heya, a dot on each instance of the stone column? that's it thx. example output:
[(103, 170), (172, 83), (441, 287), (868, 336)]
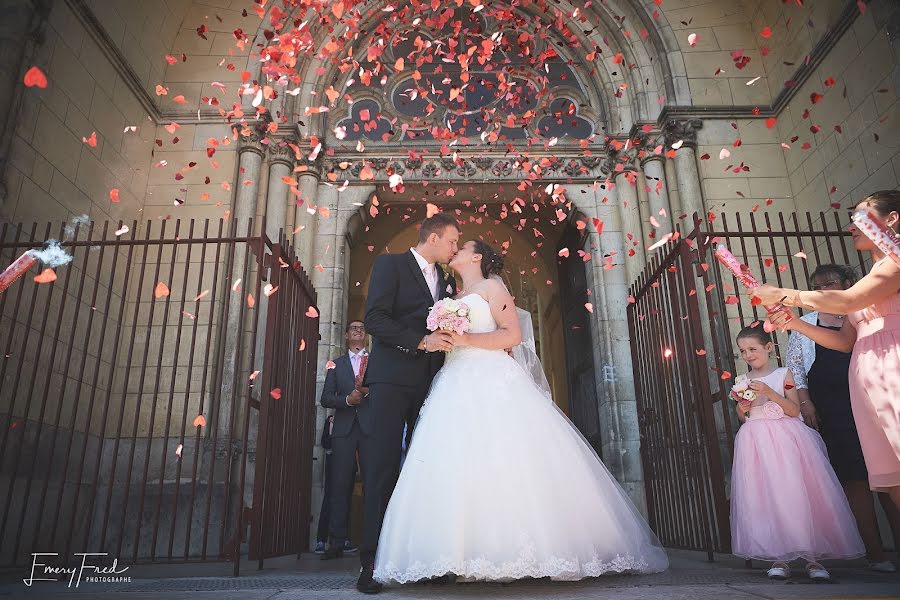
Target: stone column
[(326, 246), (684, 135), (250, 156), (672, 187), (304, 239), (658, 196), (278, 197), (644, 208), (629, 215), (615, 378)]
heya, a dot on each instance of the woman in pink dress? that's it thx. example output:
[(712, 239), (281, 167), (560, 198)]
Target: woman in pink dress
[(872, 332), (786, 501)]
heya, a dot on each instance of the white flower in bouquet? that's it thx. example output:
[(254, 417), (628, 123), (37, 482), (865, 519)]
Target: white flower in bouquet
[(741, 391)]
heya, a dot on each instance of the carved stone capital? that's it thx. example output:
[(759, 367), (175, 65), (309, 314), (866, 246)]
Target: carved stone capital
[(619, 161), (251, 143), (280, 151), (682, 130), (651, 157)]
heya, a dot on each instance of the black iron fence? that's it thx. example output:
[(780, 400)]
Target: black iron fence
[(685, 312), (157, 398)]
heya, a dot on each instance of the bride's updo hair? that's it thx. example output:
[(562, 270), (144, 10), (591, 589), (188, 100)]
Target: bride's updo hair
[(491, 262)]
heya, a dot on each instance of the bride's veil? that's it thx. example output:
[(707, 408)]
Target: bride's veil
[(526, 352)]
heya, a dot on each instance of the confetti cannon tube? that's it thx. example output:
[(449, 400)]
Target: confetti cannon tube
[(881, 235), (745, 278), (18, 268)]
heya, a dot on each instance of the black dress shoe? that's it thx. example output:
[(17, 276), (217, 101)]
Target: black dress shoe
[(333, 553), (366, 582)]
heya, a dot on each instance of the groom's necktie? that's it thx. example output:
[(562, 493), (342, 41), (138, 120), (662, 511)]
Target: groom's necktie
[(431, 278)]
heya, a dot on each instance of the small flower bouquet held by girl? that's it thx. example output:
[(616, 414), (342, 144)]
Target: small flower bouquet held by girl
[(742, 394), (448, 315)]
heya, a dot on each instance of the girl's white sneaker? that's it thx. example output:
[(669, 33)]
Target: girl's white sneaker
[(817, 572), (779, 570)]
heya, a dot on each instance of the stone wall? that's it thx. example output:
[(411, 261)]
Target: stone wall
[(53, 174)]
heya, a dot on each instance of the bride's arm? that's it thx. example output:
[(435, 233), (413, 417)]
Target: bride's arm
[(503, 309)]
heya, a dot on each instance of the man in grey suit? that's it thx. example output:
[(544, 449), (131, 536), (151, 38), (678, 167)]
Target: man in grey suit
[(344, 393)]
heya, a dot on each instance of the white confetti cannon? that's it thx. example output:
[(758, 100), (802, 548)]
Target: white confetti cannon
[(881, 235), (18, 268), (745, 278)]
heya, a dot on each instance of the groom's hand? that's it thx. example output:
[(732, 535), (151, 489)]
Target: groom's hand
[(438, 341)]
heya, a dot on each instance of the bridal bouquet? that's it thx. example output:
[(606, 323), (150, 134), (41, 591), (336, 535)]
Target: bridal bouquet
[(449, 315), (742, 394)]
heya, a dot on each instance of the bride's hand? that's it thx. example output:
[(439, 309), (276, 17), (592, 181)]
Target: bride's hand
[(459, 339)]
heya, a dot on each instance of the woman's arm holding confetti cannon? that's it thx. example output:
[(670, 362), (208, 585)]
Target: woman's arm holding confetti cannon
[(745, 278)]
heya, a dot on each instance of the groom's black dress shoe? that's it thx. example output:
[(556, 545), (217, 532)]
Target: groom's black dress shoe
[(366, 582), (333, 553)]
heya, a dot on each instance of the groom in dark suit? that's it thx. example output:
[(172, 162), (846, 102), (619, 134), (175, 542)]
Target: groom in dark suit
[(403, 361)]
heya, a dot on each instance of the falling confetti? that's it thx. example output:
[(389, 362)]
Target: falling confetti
[(48, 275), (34, 77)]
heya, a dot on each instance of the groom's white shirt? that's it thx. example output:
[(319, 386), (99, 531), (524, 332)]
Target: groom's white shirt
[(429, 270)]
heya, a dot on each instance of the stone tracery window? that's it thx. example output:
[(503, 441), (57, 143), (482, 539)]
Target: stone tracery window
[(511, 97)]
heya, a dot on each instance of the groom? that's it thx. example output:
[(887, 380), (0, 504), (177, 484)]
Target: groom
[(402, 363)]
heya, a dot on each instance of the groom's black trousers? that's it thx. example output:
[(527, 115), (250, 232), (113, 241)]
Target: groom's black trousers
[(391, 407)]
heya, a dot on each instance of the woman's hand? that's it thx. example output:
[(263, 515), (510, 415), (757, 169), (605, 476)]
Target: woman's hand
[(460, 339), (784, 320), (762, 389), (808, 410), (768, 294)]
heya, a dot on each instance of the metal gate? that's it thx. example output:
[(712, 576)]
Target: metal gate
[(682, 321), (157, 397)]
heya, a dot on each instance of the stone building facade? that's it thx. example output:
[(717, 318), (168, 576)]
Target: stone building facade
[(750, 105)]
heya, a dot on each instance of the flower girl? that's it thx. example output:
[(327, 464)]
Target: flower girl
[(786, 502)]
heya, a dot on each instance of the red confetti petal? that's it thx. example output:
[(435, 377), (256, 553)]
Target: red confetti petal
[(34, 77), (48, 275)]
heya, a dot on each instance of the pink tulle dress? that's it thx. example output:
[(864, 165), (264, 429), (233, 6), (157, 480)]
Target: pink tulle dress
[(875, 389), (786, 501)]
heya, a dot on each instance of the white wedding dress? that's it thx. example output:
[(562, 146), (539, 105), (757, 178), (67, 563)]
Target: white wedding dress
[(498, 484)]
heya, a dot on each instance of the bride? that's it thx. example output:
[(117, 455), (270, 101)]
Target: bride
[(498, 484)]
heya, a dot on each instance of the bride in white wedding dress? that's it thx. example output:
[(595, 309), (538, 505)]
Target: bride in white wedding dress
[(498, 484)]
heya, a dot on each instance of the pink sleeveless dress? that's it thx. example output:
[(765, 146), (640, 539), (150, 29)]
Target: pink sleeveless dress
[(875, 389), (786, 501)]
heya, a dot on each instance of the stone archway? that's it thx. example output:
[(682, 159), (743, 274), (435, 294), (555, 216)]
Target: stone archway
[(531, 261)]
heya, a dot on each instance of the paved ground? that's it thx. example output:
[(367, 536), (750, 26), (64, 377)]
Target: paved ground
[(690, 577)]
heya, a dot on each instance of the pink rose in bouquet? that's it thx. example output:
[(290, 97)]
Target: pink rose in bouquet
[(448, 315)]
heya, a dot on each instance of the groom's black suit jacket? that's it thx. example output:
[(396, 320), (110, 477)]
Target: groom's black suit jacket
[(396, 309), (399, 376)]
